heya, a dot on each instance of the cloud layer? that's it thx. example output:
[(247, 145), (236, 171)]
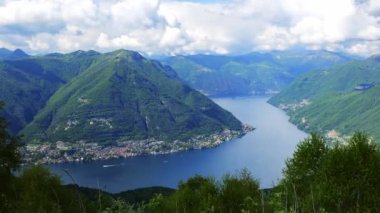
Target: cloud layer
[(170, 27)]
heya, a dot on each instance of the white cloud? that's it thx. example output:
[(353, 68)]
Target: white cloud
[(170, 27), (275, 38), (40, 42), (373, 7), (365, 48), (121, 41)]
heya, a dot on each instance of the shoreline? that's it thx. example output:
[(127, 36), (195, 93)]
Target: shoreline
[(64, 152), (332, 135)]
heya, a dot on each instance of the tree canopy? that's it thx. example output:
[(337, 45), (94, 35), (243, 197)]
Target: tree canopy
[(339, 178), (10, 160)]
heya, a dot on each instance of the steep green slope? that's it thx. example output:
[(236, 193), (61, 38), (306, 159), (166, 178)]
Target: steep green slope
[(123, 96), (343, 98), (217, 75), (27, 84)]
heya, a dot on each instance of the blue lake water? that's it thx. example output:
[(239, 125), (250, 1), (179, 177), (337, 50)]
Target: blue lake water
[(262, 151)]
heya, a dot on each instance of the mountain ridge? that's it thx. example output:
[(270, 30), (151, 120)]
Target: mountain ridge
[(12, 55), (252, 73), (90, 105), (336, 101)]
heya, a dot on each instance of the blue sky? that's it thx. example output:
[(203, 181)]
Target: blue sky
[(171, 27)]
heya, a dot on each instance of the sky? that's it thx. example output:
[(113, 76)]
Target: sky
[(179, 27)]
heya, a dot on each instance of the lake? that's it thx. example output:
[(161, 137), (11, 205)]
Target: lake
[(262, 151)]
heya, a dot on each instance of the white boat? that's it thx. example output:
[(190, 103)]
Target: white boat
[(111, 165)]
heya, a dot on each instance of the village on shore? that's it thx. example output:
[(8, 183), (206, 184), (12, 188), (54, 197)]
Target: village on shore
[(63, 152)]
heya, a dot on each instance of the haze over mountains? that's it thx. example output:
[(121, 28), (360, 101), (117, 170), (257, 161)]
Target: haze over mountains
[(122, 94), (254, 73), (8, 54)]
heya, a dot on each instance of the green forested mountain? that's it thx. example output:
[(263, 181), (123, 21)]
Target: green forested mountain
[(251, 73), (122, 95), (344, 98), (26, 84)]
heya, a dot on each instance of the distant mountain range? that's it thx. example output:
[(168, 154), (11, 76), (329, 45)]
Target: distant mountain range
[(254, 73), (338, 100), (8, 54), (91, 97)]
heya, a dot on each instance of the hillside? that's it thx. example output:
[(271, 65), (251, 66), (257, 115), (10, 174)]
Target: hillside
[(27, 84), (123, 96), (339, 100), (257, 73)]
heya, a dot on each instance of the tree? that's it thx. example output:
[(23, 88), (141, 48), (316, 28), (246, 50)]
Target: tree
[(39, 190), (235, 193), (342, 178), (301, 172), (9, 161), (198, 194), (156, 204), (350, 175), (240, 192)]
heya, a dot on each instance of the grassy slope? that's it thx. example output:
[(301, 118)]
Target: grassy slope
[(335, 103)]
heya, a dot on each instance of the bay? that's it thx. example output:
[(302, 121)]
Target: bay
[(263, 152)]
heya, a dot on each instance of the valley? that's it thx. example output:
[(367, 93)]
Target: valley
[(260, 73), (273, 140)]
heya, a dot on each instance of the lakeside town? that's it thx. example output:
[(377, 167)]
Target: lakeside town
[(62, 152)]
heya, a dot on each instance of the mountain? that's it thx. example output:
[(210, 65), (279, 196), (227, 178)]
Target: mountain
[(4, 53), (16, 54), (27, 84), (123, 96), (208, 80), (218, 75), (338, 100)]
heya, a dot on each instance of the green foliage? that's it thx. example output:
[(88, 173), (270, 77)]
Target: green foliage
[(240, 192), (156, 204), (39, 190), (235, 193), (342, 178), (142, 195), (10, 160), (198, 194), (120, 206), (301, 171), (351, 185), (27, 84), (334, 102), (36, 190)]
